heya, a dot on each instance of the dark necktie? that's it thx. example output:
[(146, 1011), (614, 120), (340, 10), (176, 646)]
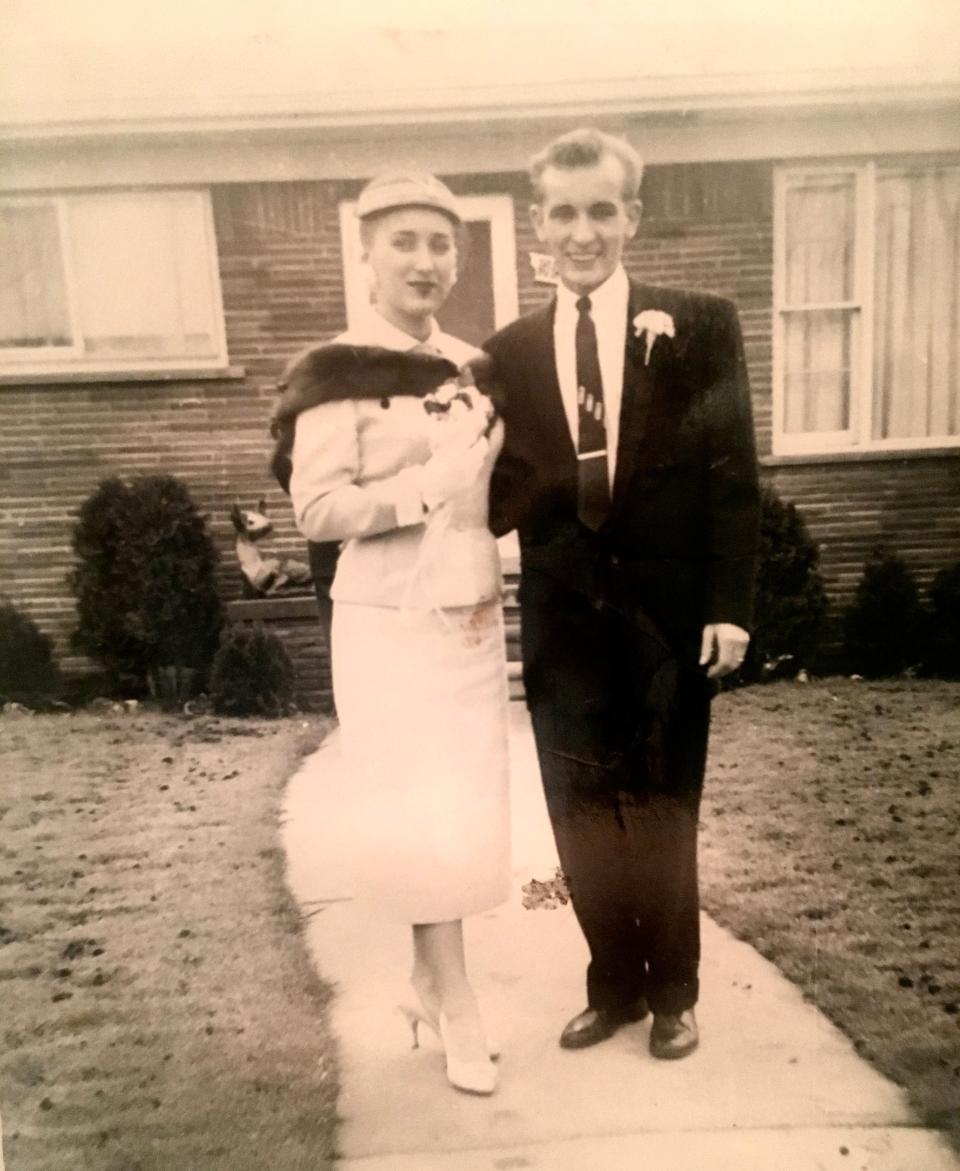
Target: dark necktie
[(593, 494)]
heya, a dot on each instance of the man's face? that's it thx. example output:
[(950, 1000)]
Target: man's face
[(585, 221)]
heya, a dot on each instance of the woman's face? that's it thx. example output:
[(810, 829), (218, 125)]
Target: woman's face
[(412, 254)]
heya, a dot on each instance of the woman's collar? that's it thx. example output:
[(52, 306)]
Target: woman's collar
[(376, 330)]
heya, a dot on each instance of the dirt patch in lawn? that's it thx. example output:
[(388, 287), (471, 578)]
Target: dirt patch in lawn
[(158, 1009), (830, 842)]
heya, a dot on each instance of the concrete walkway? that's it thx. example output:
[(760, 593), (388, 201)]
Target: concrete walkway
[(773, 1087)]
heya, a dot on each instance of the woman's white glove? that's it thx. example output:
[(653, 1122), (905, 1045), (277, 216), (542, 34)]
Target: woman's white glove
[(458, 415), (460, 420), (451, 469)]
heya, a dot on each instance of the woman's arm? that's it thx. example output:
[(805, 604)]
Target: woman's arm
[(328, 503)]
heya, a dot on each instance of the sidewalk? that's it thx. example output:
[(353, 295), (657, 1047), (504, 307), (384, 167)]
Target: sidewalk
[(773, 1087)]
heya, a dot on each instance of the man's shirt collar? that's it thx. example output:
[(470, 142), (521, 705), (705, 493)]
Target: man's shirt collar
[(606, 301)]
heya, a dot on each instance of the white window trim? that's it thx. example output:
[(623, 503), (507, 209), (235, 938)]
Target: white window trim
[(858, 437), (63, 361), (495, 209)]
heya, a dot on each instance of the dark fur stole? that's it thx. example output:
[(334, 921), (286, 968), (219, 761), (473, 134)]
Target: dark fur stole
[(332, 373)]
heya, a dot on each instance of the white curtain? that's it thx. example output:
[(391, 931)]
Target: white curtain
[(141, 266), (916, 370), (819, 276), (33, 296)]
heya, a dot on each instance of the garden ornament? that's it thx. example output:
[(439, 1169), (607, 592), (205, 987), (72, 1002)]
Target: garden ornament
[(263, 575)]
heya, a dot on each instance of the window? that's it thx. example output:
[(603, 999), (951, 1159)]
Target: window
[(485, 295), (867, 308), (109, 282)]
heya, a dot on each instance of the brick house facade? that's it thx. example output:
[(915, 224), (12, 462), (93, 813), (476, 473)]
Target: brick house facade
[(718, 181), (706, 226)]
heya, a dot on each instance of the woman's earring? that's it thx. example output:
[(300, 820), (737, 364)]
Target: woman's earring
[(370, 278)]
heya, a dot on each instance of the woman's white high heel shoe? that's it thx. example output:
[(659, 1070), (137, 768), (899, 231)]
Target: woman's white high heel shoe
[(417, 1014), (472, 1075)]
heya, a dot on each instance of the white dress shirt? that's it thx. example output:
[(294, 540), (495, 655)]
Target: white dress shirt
[(608, 308)]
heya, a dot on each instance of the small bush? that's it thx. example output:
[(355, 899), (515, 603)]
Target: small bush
[(943, 625), (883, 629), (252, 674), (147, 605), (791, 601), (28, 672)]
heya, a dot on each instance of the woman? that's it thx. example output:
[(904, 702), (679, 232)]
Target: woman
[(417, 641)]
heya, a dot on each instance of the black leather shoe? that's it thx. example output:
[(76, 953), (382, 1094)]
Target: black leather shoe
[(597, 1024), (673, 1035)]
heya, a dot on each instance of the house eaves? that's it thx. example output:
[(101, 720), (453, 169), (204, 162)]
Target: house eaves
[(110, 105), (706, 97), (137, 70)]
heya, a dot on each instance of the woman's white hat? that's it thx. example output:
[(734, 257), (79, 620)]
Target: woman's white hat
[(406, 189)]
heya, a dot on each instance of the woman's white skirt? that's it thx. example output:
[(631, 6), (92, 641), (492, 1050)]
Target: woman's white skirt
[(422, 702)]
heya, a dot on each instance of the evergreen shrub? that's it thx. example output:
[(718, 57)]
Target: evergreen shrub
[(942, 641), (252, 674), (883, 629), (147, 604), (791, 600), (28, 671)]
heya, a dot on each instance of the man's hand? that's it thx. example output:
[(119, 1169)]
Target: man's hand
[(723, 648)]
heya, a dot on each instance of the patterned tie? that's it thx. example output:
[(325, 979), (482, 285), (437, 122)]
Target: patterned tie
[(593, 495)]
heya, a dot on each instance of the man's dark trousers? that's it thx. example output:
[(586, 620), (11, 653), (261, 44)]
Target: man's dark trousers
[(623, 794)]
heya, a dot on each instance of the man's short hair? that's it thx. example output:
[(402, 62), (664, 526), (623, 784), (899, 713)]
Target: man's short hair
[(586, 147)]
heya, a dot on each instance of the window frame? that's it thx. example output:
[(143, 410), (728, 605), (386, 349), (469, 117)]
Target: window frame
[(496, 209), (857, 438), (62, 362)]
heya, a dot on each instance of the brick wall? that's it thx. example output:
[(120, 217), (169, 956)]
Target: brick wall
[(909, 506), (705, 226)]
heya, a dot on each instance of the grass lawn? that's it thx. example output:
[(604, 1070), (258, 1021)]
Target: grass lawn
[(830, 842), (157, 1008), (158, 1011)]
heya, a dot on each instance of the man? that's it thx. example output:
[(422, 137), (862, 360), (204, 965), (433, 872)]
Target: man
[(629, 472)]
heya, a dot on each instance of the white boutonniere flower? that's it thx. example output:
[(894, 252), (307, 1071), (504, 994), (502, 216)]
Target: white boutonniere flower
[(650, 324)]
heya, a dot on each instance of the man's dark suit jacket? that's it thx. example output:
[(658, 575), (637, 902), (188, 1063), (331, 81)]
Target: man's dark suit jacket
[(677, 550)]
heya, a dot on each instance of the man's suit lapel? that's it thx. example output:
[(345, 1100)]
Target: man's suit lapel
[(638, 390), (552, 419)]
